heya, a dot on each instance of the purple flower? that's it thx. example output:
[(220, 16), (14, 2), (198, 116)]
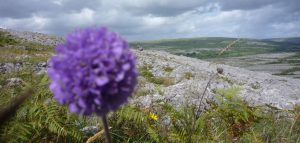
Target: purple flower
[(93, 71)]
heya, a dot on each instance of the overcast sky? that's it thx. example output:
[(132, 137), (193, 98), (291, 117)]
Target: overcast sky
[(156, 19)]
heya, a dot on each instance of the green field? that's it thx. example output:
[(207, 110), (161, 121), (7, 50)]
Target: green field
[(211, 47)]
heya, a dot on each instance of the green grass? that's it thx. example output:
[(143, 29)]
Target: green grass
[(186, 43), (228, 119), (289, 71), (188, 75), (6, 39), (141, 89), (168, 69), (159, 90), (294, 59), (145, 71), (225, 78), (233, 91), (12, 50)]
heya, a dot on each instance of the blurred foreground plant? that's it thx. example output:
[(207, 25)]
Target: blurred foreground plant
[(93, 72)]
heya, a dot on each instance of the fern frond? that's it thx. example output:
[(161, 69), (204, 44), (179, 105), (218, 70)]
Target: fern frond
[(129, 113)]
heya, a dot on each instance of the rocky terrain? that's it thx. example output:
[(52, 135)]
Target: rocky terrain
[(179, 80), (25, 49), (34, 37), (256, 88), (273, 63), (279, 56)]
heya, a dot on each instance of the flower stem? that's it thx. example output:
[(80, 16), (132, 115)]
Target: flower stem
[(105, 124)]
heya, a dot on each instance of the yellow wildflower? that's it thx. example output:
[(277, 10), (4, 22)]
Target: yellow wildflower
[(153, 116)]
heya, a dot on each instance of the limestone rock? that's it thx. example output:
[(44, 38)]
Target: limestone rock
[(14, 81), (90, 130), (257, 88)]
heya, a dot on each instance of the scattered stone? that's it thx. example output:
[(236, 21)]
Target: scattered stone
[(166, 121), (14, 81), (140, 48), (42, 71), (41, 68), (2, 69), (22, 57), (220, 70), (9, 67), (144, 101), (42, 64), (90, 130)]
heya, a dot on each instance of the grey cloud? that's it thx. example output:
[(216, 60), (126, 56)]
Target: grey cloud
[(290, 5), (155, 19), (26, 8), (23, 8), (244, 4), (163, 8), (77, 5)]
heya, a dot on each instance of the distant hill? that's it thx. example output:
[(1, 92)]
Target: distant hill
[(289, 40), (210, 47)]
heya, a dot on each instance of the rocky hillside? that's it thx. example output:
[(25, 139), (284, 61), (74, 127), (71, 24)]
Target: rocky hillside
[(185, 79), (40, 38), (163, 76)]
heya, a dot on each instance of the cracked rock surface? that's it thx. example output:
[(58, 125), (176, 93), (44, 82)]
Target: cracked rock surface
[(257, 88)]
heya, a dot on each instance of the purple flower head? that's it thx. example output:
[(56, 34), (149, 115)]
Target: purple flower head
[(93, 71)]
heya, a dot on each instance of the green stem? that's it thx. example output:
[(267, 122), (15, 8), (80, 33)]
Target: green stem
[(106, 129)]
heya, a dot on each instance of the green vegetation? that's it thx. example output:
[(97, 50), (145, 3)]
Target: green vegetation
[(289, 40), (130, 124), (186, 43), (229, 119), (40, 119), (224, 78), (188, 75), (6, 39), (256, 86), (229, 93), (210, 47), (16, 51), (158, 88), (295, 59), (168, 69), (145, 71), (289, 71), (141, 90)]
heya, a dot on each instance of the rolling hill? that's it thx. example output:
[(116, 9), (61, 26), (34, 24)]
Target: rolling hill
[(210, 47)]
